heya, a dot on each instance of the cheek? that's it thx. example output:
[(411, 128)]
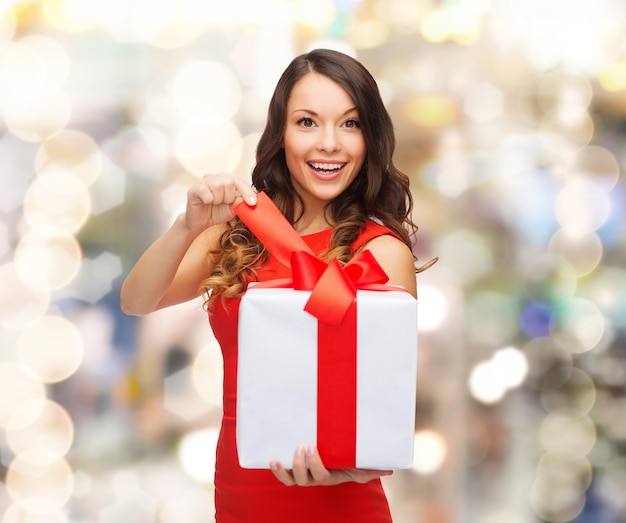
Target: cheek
[(296, 147), (356, 143)]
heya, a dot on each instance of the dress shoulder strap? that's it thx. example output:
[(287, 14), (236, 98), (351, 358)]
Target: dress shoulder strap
[(372, 230)]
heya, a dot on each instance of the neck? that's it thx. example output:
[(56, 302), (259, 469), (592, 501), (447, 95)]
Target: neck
[(314, 219)]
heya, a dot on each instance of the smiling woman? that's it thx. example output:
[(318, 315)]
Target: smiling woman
[(324, 145), (325, 159)]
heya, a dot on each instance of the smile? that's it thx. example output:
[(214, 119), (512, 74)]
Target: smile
[(326, 169)]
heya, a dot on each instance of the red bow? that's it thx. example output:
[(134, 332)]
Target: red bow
[(333, 287)]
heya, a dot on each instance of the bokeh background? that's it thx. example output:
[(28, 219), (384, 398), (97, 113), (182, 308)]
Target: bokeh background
[(510, 119)]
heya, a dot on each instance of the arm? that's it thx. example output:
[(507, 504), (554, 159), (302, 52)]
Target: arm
[(171, 269)]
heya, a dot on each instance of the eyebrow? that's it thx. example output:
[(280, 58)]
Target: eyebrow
[(313, 113)]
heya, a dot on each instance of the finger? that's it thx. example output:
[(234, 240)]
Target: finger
[(282, 474), (377, 472), (318, 471), (241, 188), (300, 468), (202, 193), (366, 475), (245, 191), (217, 190)]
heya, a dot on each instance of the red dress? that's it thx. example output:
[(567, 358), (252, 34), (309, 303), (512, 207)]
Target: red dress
[(256, 496)]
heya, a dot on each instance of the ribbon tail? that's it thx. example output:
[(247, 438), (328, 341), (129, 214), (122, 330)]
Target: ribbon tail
[(272, 229)]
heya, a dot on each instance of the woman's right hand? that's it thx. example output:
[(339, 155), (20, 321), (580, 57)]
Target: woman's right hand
[(211, 200)]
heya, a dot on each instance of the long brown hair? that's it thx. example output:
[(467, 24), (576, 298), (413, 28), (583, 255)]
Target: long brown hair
[(380, 190)]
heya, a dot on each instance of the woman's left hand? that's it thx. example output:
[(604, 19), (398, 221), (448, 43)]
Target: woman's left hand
[(308, 471)]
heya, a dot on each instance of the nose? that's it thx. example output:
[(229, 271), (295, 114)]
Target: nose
[(329, 141)]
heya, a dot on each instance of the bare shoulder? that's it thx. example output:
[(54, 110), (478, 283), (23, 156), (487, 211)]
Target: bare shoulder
[(396, 259)]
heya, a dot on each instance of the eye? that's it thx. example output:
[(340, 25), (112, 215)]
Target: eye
[(353, 124), (306, 122)]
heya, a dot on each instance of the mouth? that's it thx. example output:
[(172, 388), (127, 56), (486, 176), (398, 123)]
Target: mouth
[(327, 169)]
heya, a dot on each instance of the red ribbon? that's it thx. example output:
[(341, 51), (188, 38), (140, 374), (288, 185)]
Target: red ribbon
[(333, 287), (333, 302)]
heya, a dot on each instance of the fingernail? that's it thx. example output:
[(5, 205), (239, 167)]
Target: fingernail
[(299, 451), (273, 466), (311, 450), (252, 200)]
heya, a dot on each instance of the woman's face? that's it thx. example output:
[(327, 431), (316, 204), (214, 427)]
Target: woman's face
[(324, 144)]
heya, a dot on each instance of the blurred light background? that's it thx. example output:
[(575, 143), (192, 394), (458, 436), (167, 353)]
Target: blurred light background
[(510, 119)]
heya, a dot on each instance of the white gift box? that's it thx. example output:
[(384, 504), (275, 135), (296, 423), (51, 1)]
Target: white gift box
[(277, 377)]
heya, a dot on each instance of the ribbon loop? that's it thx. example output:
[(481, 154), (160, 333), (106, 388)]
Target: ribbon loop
[(363, 269), (333, 287)]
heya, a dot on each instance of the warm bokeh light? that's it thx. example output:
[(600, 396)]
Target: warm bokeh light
[(582, 207), (483, 103), (613, 78), (594, 163), (430, 451), (71, 151), (512, 366), (248, 157), (186, 506), (582, 251), (485, 384), (57, 204), (432, 111), (17, 513), (39, 425), (31, 67), (52, 347), (203, 89), (33, 72), (367, 34), (47, 263), (35, 120), (7, 26), (208, 374), (163, 24), (20, 304), (432, 315), (314, 13), (41, 481), (19, 385), (71, 15), (450, 22), (563, 96), (196, 453), (557, 497), (209, 146), (568, 430), (490, 380)]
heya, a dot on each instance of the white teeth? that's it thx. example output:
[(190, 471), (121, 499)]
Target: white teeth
[(327, 166)]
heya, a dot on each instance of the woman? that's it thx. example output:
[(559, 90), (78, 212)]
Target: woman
[(325, 159)]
